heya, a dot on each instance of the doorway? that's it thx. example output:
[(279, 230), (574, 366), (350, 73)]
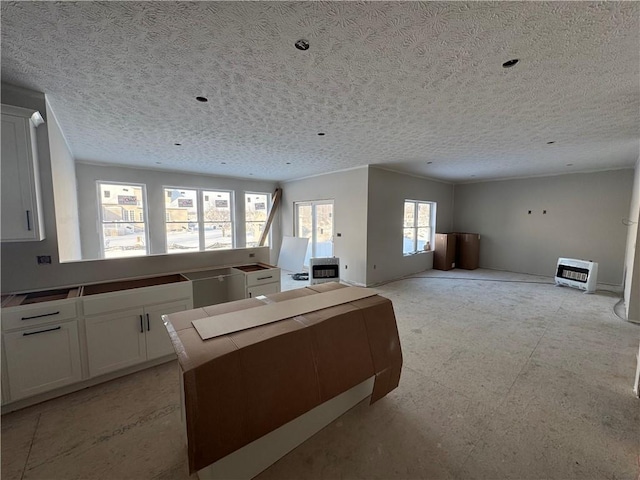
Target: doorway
[(314, 220)]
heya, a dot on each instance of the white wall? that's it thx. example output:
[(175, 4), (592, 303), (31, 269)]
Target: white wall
[(65, 192), (155, 181), (632, 258), (583, 220), (387, 192), (348, 190)]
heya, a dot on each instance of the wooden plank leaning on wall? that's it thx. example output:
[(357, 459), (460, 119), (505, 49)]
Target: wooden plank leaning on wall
[(276, 201)]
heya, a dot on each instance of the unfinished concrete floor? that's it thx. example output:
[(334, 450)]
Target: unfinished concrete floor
[(505, 377)]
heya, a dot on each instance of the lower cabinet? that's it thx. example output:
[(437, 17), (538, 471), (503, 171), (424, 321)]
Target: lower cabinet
[(263, 289), (53, 339), (250, 282), (122, 339), (157, 338), (115, 341), (42, 358)]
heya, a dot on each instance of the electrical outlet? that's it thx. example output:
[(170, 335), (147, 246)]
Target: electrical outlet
[(251, 255), (544, 212), (529, 212), (44, 259)]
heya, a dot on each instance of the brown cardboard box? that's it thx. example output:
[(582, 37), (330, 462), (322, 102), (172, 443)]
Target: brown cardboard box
[(243, 385), (444, 253), (468, 251)]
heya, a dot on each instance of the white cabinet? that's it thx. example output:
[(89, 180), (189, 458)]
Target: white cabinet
[(257, 279), (119, 340), (125, 328), (41, 347), (21, 200), (115, 341), (157, 338), (42, 359), (50, 338), (263, 289)]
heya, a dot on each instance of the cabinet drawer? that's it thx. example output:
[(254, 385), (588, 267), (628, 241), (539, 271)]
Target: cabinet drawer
[(42, 359), (32, 315), (263, 276)]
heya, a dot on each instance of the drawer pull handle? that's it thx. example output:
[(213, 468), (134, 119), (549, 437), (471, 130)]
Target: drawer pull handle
[(141, 325), (148, 324), (42, 331), (28, 220), (264, 278), (40, 316)]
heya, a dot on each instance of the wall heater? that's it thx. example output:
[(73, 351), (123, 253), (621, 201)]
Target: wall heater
[(581, 274), (324, 269)]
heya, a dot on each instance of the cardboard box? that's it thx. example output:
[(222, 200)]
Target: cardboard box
[(468, 250), (240, 386), (444, 253)]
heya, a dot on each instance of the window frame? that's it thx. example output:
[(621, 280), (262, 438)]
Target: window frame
[(312, 246), (200, 192), (101, 222), (168, 189), (415, 227), (246, 222)]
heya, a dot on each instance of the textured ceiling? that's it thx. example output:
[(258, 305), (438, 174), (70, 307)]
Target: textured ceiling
[(395, 84)]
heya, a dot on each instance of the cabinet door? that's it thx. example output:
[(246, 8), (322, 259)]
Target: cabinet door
[(41, 359), (263, 289), (158, 341), (115, 341), (21, 216)]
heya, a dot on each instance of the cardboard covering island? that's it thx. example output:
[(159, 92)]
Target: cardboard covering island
[(240, 385)]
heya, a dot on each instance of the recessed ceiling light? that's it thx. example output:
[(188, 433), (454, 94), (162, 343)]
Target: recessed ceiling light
[(302, 44), (569, 164), (202, 99), (177, 144), (288, 163), (510, 63), (429, 163), (321, 134), (550, 143)]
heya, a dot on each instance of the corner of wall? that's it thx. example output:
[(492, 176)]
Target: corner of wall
[(632, 258)]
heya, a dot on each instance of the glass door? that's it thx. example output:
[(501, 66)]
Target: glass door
[(314, 220)]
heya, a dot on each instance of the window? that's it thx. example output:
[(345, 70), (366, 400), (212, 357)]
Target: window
[(314, 220), (121, 234), (181, 215), (419, 225), (256, 208), (218, 220), (198, 220)]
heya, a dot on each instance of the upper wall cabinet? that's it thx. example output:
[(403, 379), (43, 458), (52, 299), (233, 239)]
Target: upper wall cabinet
[(21, 203)]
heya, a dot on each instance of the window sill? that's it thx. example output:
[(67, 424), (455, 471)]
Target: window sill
[(421, 252)]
